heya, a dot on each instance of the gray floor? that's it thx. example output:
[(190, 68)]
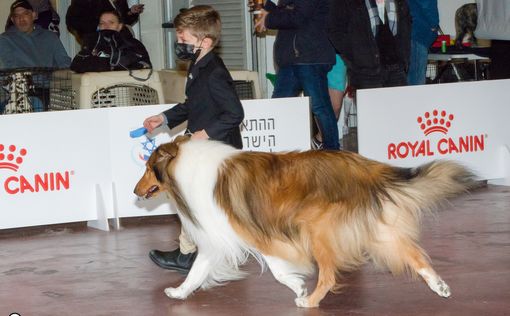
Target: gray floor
[(72, 270)]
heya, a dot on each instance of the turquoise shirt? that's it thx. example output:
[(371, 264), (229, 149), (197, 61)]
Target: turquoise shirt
[(40, 48)]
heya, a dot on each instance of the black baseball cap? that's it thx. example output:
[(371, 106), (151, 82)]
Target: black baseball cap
[(21, 4)]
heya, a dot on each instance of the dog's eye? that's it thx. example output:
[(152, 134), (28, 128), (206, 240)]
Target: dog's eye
[(158, 174)]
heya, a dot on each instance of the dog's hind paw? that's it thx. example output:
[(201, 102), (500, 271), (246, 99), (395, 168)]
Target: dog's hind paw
[(441, 288), (176, 293), (304, 302)]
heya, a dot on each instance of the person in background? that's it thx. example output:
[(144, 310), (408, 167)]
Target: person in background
[(47, 16), (82, 16), (304, 56), (424, 30), (336, 85), (27, 45), (373, 38), (212, 108), (100, 48), (336, 88)]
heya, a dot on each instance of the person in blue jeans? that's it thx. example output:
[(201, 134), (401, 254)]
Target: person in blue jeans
[(423, 33), (304, 57)]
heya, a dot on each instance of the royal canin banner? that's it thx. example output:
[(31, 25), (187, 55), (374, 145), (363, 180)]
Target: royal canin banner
[(466, 122), (48, 162)]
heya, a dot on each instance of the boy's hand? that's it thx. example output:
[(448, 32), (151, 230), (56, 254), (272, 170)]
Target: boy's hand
[(153, 122), (251, 4), (201, 134)]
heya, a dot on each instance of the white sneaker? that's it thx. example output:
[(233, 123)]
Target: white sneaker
[(316, 144)]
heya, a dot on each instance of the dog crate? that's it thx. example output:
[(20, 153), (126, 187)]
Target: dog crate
[(62, 94), (116, 88), (246, 84), (457, 70), (26, 90)]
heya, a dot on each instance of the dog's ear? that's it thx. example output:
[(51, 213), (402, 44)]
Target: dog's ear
[(169, 150), (181, 139)]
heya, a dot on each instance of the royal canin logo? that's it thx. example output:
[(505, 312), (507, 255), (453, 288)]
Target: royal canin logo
[(14, 159), (11, 158), (436, 122)]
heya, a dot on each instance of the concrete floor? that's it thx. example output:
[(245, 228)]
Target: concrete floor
[(73, 270)]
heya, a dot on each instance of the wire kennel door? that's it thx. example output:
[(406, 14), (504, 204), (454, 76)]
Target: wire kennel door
[(244, 89), (25, 90), (126, 94)]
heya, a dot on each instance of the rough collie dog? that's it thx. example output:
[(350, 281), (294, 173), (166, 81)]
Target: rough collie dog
[(296, 211)]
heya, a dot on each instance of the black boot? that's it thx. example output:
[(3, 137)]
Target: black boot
[(173, 260)]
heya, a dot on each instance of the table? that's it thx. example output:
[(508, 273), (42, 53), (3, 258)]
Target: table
[(452, 60)]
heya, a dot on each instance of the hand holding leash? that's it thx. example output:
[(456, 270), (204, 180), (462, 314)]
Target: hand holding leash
[(153, 122)]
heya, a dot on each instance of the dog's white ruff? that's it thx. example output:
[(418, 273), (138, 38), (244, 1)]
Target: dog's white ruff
[(220, 250)]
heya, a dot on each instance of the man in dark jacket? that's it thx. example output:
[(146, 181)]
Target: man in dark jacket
[(373, 38), (82, 16), (304, 56)]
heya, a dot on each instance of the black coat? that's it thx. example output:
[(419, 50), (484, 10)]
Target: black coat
[(351, 34), (110, 50), (83, 15), (212, 103), (302, 32)]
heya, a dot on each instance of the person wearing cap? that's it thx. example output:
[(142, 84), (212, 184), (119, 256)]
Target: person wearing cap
[(27, 45), (47, 17)]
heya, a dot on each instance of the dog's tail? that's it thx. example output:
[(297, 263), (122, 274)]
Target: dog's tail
[(432, 183), (409, 194)]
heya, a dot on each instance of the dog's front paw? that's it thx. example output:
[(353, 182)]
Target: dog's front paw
[(302, 292), (304, 302), (176, 293)]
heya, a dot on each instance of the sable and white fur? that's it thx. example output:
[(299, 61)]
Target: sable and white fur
[(297, 211)]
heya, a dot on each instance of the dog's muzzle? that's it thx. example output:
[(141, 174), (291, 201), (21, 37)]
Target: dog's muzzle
[(153, 189)]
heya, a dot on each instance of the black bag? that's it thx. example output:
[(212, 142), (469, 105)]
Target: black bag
[(110, 50)]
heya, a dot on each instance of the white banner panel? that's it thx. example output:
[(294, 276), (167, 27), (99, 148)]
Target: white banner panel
[(50, 164), (276, 124), (467, 122)]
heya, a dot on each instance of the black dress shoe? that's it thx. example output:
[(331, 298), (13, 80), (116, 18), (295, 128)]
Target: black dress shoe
[(173, 260)]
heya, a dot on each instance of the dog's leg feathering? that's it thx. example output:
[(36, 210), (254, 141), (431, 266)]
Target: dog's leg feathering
[(288, 275), (196, 277), (397, 252)]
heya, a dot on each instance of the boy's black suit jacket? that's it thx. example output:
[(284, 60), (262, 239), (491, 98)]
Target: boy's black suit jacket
[(212, 103)]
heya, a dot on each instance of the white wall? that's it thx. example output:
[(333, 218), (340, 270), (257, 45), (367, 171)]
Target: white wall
[(151, 33), (4, 13)]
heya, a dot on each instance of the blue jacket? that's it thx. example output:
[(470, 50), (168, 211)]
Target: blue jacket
[(40, 48), (425, 17), (302, 32)]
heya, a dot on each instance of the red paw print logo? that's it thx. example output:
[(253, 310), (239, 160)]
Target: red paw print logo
[(435, 121), (11, 157)]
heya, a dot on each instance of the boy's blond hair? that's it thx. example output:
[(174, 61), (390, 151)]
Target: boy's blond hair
[(202, 21)]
